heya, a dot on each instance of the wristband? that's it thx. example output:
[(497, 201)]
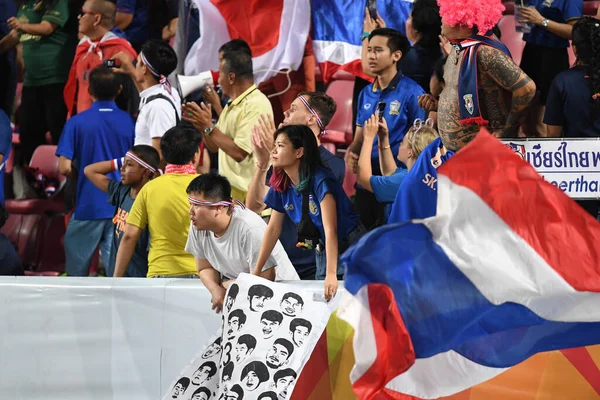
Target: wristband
[(384, 147), (364, 35), (259, 167), (117, 163)]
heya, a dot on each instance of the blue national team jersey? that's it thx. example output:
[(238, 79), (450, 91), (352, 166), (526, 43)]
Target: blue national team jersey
[(290, 202), (5, 146), (417, 195), (402, 108), (561, 11), (99, 134), (139, 30)]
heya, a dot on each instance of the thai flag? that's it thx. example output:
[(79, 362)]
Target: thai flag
[(337, 26), (276, 31), (509, 267)]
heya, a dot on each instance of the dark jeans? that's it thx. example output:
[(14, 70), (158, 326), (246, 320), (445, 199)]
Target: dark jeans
[(42, 109), (343, 245)]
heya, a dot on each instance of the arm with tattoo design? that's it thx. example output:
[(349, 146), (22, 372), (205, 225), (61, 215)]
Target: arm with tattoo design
[(501, 69)]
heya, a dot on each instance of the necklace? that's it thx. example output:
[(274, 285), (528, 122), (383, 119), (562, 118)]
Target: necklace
[(456, 55)]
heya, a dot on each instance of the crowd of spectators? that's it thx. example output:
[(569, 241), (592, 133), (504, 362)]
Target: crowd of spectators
[(272, 202)]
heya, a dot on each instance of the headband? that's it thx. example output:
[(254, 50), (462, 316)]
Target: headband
[(224, 203), (162, 79), (417, 125), (313, 112), (140, 161)]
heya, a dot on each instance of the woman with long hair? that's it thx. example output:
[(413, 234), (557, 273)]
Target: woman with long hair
[(303, 188), (573, 105)]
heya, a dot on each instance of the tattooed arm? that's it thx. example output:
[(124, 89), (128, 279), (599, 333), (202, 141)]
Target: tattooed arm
[(502, 70)]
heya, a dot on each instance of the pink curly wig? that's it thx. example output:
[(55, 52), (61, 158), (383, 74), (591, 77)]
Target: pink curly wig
[(484, 14)]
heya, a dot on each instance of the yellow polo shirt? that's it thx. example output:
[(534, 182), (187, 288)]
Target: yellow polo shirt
[(162, 206), (236, 121)]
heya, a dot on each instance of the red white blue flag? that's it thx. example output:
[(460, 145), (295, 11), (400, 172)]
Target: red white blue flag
[(509, 267)]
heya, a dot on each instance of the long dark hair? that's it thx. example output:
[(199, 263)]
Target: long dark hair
[(427, 21), (586, 39), (299, 136)]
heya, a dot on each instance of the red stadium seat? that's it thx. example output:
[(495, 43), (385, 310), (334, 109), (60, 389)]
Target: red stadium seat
[(339, 130), (590, 7), (511, 38), (37, 226)]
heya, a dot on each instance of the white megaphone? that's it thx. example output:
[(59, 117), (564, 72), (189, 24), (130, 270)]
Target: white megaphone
[(189, 84)]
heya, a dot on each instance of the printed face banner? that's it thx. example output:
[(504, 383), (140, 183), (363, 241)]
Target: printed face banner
[(269, 331), (573, 165)]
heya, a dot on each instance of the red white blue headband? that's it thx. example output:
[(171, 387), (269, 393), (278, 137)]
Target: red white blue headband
[(162, 79), (313, 112), (224, 203), (140, 161)]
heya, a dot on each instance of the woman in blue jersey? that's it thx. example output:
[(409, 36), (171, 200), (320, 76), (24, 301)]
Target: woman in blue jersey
[(303, 188)]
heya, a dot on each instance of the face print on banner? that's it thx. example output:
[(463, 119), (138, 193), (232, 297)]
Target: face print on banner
[(244, 347), (282, 381), (299, 330), (203, 374), (280, 353), (214, 348), (270, 321), (231, 295), (258, 295), (291, 304), (235, 322), (253, 375), (180, 387), (268, 333), (202, 393)]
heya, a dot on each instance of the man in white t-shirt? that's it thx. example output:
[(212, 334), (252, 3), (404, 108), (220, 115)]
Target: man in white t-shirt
[(160, 104), (225, 238)]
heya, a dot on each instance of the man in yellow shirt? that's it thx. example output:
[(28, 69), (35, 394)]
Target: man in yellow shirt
[(162, 206), (231, 136)]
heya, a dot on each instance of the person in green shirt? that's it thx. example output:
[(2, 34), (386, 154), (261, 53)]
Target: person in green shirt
[(48, 33)]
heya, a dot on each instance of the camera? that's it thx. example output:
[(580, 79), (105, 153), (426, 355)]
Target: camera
[(109, 63)]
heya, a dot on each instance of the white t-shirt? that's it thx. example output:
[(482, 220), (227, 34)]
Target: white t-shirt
[(158, 116), (238, 249)]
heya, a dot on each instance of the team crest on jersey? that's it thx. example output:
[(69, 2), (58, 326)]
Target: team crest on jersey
[(367, 106), (436, 160), (289, 207), (394, 107), (312, 206), (469, 103)]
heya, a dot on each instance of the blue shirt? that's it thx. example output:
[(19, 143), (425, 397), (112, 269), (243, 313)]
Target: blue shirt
[(5, 147), (119, 197), (386, 187), (302, 259), (104, 132), (418, 63), (139, 30), (569, 104), (402, 108), (290, 203), (417, 195), (561, 11)]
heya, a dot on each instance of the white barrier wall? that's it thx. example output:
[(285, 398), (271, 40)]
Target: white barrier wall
[(100, 338)]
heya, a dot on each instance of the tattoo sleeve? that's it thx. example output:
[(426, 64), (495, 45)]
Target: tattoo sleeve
[(502, 70)]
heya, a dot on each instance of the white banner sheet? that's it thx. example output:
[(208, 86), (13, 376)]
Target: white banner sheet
[(269, 331), (102, 338)]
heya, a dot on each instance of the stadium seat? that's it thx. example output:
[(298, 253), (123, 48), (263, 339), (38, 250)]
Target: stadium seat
[(45, 160), (590, 7), (339, 130), (511, 38), (37, 226)]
